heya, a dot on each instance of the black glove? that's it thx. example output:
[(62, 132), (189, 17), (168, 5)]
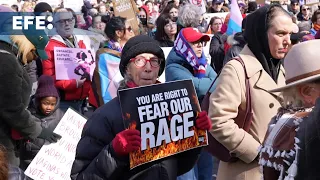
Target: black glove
[(49, 135)]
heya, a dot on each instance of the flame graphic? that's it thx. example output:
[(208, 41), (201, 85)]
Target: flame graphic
[(141, 157)]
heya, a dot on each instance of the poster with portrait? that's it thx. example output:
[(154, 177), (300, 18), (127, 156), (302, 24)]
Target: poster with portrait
[(73, 63), (165, 115)]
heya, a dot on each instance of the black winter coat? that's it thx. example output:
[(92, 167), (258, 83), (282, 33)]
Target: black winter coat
[(15, 90), (96, 160), (217, 52), (31, 147), (309, 136)]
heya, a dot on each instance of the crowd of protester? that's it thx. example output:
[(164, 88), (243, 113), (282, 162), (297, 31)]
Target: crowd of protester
[(269, 48)]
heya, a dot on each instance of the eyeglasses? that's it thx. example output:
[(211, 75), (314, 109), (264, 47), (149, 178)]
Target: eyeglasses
[(199, 43), (305, 9), (141, 61), (64, 21), (171, 24), (129, 29)]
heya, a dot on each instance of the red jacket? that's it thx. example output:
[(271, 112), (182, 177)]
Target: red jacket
[(67, 88)]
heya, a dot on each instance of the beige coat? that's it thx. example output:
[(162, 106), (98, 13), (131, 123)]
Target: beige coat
[(224, 102)]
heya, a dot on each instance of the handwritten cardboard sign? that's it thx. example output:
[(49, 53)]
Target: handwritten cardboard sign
[(73, 63), (127, 9), (165, 115), (54, 161)]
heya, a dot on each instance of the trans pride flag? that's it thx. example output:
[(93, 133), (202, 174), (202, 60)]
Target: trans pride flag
[(235, 21)]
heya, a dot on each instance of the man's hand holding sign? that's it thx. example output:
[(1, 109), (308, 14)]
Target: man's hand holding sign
[(163, 120)]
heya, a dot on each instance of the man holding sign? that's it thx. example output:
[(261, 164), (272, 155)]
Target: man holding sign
[(72, 91), (114, 146)]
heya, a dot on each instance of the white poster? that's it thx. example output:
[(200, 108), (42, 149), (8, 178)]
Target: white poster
[(54, 161), (73, 63), (75, 5)]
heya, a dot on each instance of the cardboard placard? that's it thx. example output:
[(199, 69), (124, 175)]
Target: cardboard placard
[(165, 115), (127, 9), (54, 161)]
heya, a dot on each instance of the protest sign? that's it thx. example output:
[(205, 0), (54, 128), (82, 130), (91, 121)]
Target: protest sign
[(311, 2), (73, 63), (165, 115), (75, 5), (54, 161), (126, 9)]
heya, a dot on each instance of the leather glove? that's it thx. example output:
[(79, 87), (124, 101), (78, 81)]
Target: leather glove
[(203, 121), (49, 135), (126, 141)]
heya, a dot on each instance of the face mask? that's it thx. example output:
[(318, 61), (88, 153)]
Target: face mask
[(143, 21)]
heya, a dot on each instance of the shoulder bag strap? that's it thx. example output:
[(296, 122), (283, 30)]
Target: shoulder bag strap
[(248, 114)]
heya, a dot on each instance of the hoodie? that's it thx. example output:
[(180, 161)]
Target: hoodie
[(30, 147)]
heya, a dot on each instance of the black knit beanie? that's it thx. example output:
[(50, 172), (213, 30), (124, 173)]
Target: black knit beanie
[(138, 45), (46, 87), (42, 7)]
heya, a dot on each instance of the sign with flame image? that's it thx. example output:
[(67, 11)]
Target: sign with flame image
[(165, 115)]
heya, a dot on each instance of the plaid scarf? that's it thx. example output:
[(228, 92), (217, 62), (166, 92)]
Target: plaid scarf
[(182, 47), (280, 149)]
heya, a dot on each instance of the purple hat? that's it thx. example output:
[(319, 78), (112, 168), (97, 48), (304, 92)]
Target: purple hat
[(46, 87)]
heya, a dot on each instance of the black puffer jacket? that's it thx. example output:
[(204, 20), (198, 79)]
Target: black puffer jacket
[(15, 90), (217, 51), (96, 160), (31, 147)]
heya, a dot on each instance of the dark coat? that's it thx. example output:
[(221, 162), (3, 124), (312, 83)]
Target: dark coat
[(217, 52), (31, 147), (96, 160), (31, 69), (309, 136), (15, 90), (236, 48), (15, 173), (165, 43)]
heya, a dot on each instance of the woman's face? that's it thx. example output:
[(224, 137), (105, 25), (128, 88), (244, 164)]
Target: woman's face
[(173, 12), (171, 28), (279, 36), (197, 48), (309, 93), (144, 69), (305, 10), (318, 19), (128, 32), (102, 9), (216, 25)]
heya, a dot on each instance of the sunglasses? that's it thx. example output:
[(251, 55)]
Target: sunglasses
[(141, 61), (199, 43), (129, 29)]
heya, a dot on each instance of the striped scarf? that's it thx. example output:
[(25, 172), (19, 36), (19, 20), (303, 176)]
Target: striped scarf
[(182, 47)]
